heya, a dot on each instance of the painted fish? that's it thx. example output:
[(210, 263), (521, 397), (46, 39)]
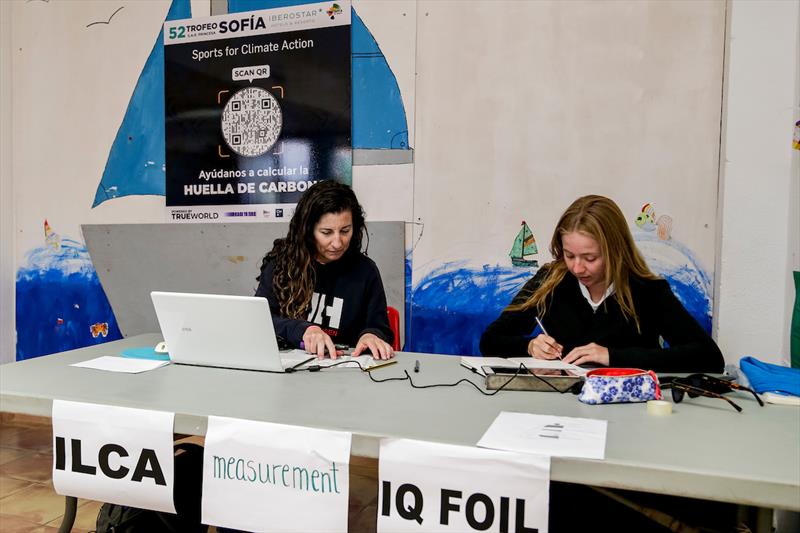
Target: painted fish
[(647, 221)]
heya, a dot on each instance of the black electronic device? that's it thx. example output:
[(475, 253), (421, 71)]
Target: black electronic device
[(532, 379)]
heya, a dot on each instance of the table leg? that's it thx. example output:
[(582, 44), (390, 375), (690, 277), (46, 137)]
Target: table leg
[(758, 519), (763, 521), (70, 510)]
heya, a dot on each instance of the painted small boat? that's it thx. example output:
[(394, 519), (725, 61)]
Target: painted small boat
[(524, 245)]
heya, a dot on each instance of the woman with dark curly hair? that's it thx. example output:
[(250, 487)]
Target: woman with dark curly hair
[(601, 303), (321, 288)]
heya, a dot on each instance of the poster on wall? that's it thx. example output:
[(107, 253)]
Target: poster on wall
[(257, 109)]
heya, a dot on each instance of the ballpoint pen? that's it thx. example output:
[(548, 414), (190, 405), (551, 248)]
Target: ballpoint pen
[(541, 326)]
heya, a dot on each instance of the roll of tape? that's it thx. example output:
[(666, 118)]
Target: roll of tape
[(659, 408)]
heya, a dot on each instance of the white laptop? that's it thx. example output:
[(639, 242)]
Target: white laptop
[(221, 331)]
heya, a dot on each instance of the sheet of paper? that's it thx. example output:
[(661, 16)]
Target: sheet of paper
[(552, 364), (293, 357), (476, 363), (428, 486), (121, 364), (260, 476), (114, 454), (559, 436), (345, 361)]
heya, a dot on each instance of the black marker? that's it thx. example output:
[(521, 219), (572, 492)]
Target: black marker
[(416, 366)]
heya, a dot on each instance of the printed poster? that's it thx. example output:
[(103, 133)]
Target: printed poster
[(257, 109)]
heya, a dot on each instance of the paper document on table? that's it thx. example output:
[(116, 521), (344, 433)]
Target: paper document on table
[(559, 436), (476, 363), (121, 364), (295, 357), (344, 361)]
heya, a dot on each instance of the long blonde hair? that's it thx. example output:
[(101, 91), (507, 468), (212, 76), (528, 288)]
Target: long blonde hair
[(601, 219)]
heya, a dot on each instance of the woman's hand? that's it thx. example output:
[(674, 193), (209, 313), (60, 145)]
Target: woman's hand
[(317, 341), (591, 353), (544, 347), (380, 348)]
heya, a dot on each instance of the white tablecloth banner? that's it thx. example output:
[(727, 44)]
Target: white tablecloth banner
[(113, 454), (424, 486), (260, 476)]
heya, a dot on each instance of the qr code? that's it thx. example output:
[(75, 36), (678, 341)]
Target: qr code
[(251, 121)]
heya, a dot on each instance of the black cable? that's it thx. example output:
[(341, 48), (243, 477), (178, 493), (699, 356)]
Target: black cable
[(433, 385), (407, 377), (540, 378)]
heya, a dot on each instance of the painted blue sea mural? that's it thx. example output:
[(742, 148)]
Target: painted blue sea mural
[(449, 308), (60, 302)]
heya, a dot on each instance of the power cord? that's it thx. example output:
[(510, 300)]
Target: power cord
[(407, 377)]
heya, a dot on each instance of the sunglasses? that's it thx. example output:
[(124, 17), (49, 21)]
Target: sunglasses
[(679, 389), (713, 384)]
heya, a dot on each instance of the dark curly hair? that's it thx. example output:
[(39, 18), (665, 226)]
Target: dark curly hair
[(293, 278)]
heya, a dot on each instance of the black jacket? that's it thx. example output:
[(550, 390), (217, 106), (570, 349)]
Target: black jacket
[(348, 301), (570, 320)]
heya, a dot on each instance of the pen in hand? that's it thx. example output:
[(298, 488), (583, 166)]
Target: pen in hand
[(541, 326)]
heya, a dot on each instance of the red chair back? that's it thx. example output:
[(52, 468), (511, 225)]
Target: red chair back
[(394, 324)]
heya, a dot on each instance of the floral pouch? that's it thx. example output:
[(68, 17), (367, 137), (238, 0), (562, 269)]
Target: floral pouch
[(619, 385)]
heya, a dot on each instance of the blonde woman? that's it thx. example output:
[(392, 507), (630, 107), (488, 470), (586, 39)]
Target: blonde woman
[(600, 304)]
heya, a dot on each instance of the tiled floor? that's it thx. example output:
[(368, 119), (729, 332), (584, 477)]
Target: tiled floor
[(28, 502)]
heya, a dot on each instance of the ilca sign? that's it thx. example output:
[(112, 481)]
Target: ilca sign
[(113, 454)]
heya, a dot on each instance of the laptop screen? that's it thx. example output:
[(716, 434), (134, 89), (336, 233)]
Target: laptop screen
[(218, 330)]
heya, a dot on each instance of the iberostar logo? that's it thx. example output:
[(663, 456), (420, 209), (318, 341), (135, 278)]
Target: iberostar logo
[(334, 10)]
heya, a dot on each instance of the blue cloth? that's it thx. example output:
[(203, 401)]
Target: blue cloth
[(766, 377), (146, 352)]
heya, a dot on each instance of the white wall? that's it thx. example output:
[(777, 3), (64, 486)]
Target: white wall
[(758, 224), (7, 259), (524, 106), (759, 187)]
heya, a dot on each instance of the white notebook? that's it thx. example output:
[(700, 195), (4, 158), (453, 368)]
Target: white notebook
[(475, 364)]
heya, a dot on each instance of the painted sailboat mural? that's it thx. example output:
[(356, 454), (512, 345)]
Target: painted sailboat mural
[(524, 245)]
